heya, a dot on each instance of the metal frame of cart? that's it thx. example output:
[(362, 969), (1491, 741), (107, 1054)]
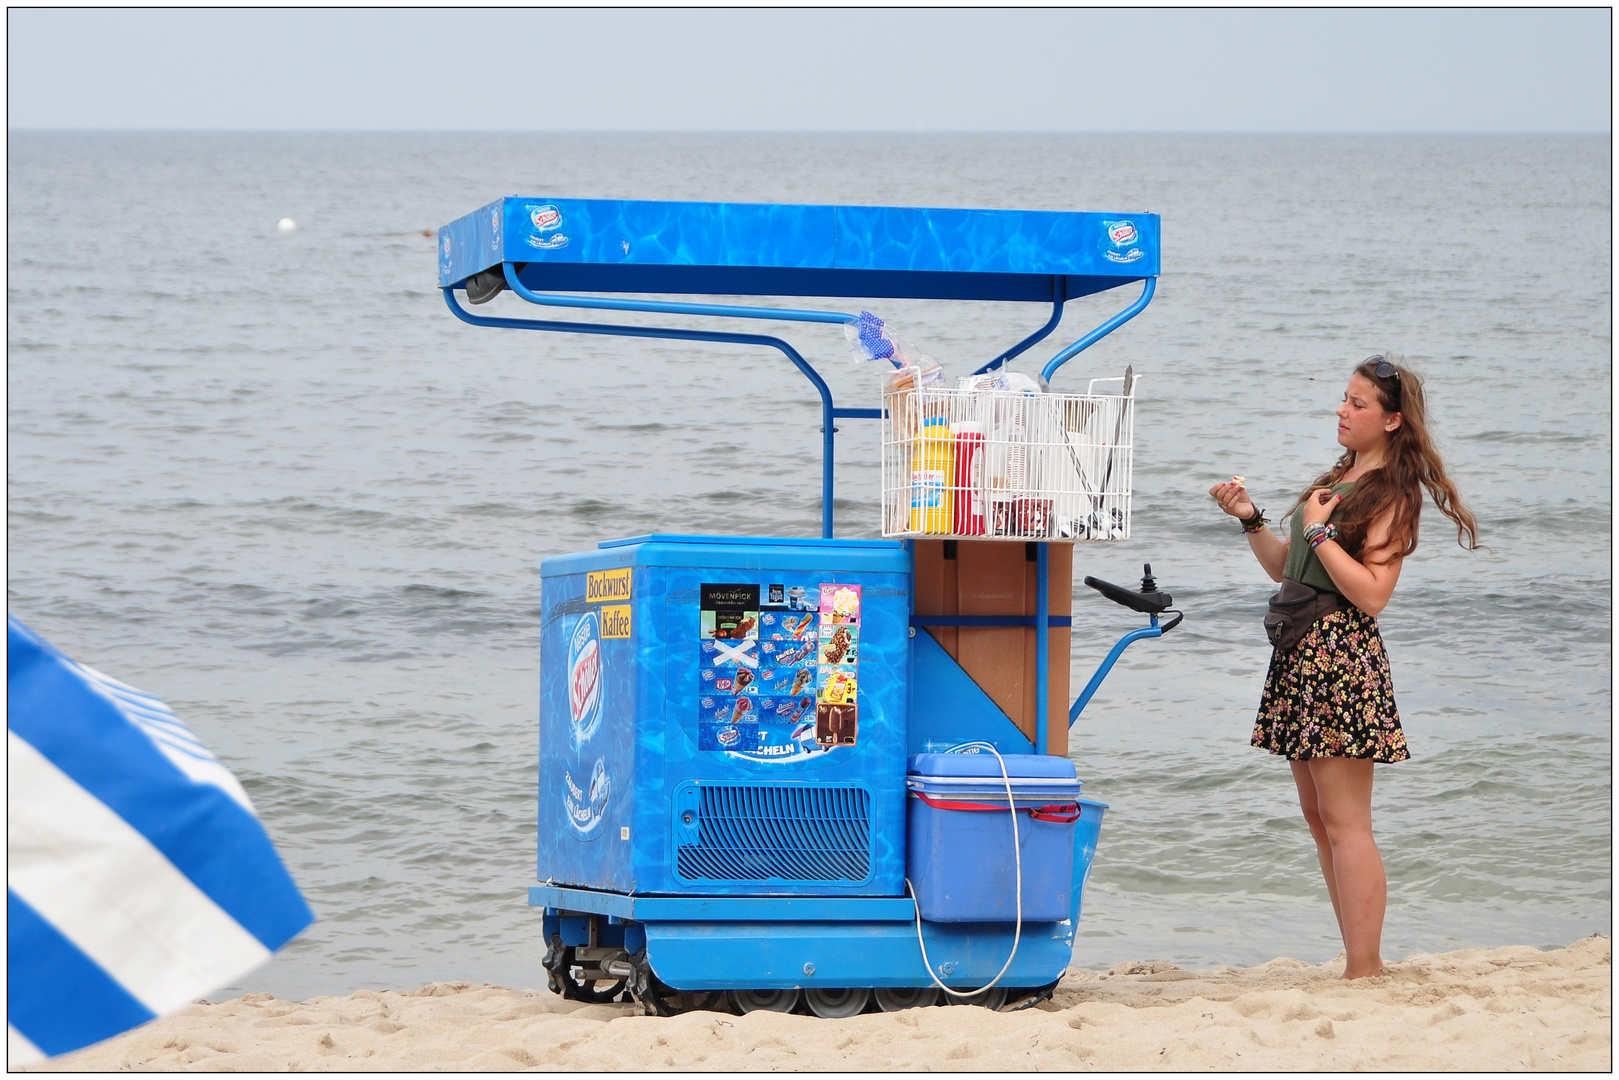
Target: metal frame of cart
[(589, 254), (536, 247)]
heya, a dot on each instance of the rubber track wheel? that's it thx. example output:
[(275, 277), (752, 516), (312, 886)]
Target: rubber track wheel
[(837, 1004), (782, 1001), (895, 998), (992, 999)]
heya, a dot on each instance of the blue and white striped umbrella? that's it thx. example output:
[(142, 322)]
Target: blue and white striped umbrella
[(138, 875)]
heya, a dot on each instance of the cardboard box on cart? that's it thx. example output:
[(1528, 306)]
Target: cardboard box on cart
[(997, 577)]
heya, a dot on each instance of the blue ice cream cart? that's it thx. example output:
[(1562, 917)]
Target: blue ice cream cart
[(828, 773)]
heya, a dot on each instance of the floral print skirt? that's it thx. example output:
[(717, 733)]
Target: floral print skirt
[(1331, 695)]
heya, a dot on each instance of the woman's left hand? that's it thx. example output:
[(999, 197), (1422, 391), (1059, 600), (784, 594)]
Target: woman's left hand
[(1319, 505)]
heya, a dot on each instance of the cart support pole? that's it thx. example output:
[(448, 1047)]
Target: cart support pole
[(828, 430), (1147, 289), (672, 307), (1057, 298), (1042, 642), (1112, 658), (611, 330)]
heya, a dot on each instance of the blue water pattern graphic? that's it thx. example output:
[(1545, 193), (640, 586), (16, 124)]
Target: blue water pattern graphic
[(628, 232), (650, 737)]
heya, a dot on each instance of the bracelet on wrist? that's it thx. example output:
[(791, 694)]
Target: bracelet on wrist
[(1318, 534), (1255, 523)]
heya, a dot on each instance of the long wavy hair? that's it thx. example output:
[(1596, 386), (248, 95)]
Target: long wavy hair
[(1410, 465)]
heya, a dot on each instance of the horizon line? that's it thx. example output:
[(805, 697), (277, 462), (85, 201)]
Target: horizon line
[(86, 129)]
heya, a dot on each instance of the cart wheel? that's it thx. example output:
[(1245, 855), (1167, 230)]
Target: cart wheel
[(746, 1001), (595, 991), (675, 1002), (683, 1001), (557, 959), (1029, 997), (658, 998), (993, 998), (895, 998), (563, 977), (836, 1004)]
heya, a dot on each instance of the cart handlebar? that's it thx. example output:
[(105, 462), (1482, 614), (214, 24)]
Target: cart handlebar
[(1151, 601)]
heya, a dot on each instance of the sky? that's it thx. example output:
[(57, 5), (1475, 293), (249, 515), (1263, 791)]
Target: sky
[(1250, 70)]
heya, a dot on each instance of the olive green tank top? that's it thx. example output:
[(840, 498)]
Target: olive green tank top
[(1302, 564)]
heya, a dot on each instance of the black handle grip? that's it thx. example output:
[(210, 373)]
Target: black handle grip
[(1148, 603)]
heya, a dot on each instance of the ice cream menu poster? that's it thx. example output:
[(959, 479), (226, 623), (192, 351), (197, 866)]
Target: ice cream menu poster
[(778, 668)]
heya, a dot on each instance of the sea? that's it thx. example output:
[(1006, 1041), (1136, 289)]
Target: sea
[(268, 477)]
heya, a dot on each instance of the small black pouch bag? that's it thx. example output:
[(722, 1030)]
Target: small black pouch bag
[(1294, 609)]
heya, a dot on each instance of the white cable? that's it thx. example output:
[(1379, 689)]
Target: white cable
[(1017, 861)]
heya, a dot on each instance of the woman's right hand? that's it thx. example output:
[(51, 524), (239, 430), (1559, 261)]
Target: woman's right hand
[(1233, 499)]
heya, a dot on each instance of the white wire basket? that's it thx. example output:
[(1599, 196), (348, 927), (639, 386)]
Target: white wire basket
[(1003, 465)]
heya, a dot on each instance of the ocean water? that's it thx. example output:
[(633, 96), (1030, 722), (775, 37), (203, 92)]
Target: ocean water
[(270, 478)]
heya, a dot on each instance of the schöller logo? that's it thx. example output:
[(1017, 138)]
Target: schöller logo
[(584, 679), (604, 585)]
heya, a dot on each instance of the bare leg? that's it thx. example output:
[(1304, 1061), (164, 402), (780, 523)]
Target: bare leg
[(1308, 802), (1343, 788)]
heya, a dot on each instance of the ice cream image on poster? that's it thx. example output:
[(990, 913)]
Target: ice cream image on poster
[(836, 725), (840, 646), (588, 806), (729, 612), (757, 648), (840, 606), (584, 679), (729, 667), (787, 625)]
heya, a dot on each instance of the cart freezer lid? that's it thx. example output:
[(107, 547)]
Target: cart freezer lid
[(752, 541), (741, 553)]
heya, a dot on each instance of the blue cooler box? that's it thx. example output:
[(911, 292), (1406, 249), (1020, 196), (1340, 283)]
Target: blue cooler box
[(959, 856)]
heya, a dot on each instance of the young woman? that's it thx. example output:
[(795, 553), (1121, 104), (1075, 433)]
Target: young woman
[(1328, 705)]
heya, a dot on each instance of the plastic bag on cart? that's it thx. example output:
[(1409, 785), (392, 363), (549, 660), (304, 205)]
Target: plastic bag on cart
[(871, 340), (1001, 379)]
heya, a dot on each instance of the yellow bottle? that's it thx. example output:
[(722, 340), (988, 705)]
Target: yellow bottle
[(933, 454)]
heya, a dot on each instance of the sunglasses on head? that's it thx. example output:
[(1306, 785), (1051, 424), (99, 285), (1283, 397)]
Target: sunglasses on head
[(1386, 370)]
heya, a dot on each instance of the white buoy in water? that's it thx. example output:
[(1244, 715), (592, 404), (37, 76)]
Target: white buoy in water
[(286, 224)]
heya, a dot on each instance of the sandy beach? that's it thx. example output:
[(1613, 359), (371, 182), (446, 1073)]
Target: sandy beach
[(1511, 1008)]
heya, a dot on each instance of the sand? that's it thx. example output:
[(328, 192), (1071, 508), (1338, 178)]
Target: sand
[(1477, 1009)]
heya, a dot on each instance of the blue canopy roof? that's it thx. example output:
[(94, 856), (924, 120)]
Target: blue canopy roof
[(767, 249)]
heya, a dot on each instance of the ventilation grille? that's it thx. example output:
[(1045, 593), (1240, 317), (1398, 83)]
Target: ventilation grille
[(792, 833)]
